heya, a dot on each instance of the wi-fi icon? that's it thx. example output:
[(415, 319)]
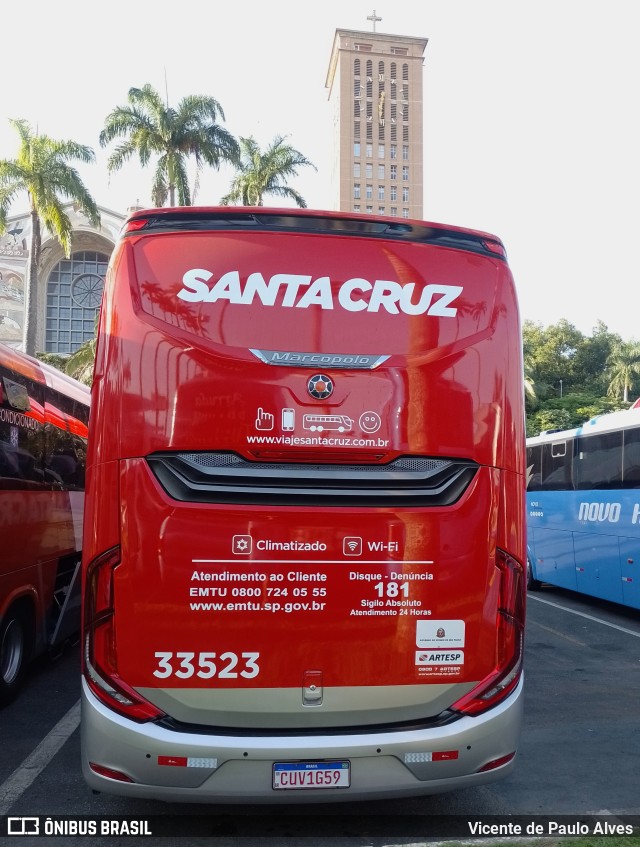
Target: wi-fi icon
[(352, 546)]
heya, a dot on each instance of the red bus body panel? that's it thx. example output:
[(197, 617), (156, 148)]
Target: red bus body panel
[(391, 609)]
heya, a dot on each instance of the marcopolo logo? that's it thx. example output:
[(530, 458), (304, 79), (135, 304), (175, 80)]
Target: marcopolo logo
[(320, 386), (301, 291), (357, 361)]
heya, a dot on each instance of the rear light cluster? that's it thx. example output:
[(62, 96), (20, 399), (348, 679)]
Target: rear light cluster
[(504, 677), (495, 247), (135, 225), (99, 659)]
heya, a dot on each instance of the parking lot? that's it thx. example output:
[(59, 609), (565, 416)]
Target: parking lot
[(579, 752)]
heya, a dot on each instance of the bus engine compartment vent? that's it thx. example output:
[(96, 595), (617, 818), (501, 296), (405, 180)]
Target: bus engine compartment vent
[(225, 477)]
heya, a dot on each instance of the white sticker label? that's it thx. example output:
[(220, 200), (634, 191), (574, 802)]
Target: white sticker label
[(439, 657), (440, 635)]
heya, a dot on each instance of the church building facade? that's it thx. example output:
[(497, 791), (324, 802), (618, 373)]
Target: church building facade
[(69, 289)]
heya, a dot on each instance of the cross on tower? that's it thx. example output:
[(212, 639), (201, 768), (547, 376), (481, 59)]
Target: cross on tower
[(374, 19)]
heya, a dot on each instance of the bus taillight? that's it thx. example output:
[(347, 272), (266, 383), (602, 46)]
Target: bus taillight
[(510, 618), (99, 660)]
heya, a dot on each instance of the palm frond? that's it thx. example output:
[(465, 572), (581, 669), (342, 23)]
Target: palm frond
[(262, 173), (43, 170), (152, 128)]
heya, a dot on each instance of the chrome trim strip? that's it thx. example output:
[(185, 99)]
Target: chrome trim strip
[(300, 359)]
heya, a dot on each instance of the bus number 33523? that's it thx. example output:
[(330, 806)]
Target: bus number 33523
[(229, 666)]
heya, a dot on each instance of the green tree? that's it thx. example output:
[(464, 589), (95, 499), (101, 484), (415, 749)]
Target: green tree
[(56, 360), (149, 127), (259, 174), (42, 169), (550, 353), (80, 364), (530, 395), (590, 361), (623, 369), (569, 373), (546, 419)]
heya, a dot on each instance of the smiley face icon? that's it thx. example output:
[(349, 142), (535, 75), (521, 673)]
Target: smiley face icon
[(370, 422)]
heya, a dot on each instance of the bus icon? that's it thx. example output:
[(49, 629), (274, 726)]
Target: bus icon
[(317, 423)]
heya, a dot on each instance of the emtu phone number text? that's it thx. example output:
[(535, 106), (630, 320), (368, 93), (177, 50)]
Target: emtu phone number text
[(274, 592)]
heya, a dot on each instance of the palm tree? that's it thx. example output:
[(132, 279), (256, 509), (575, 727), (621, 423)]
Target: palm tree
[(42, 169), (151, 128), (623, 366), (530, 383), (265, 173), (79, 365)]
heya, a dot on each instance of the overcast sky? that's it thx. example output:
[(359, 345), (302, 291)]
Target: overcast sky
[(530, 115)]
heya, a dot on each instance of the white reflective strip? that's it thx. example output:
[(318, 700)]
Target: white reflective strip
[(418, 757), (193, 762)]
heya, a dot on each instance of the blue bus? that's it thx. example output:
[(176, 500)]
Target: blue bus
[(583, 508)]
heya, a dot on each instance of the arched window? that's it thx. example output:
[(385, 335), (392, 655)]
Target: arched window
[(74, 294)]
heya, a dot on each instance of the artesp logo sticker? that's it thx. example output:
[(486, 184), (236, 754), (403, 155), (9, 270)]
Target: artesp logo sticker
[(440, 657)]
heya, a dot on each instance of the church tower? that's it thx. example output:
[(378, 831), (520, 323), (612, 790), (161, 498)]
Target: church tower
[(375, 87)]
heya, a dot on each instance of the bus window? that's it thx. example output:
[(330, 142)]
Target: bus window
[(631, 459), (599, 461), (556, 466), (534, 467)]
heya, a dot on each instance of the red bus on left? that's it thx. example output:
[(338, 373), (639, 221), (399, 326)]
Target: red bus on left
[(43, 436)]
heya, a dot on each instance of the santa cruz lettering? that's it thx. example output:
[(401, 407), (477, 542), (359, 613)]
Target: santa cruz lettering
[(301, 291)]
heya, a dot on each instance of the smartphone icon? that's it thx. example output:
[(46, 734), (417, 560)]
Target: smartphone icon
[(288, 420)]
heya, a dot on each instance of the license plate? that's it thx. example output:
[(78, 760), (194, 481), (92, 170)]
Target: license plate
[(292, 775)]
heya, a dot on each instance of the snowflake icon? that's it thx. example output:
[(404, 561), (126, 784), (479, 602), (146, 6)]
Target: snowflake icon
[(242, 545)]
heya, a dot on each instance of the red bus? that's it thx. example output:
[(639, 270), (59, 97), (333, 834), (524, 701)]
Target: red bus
[(43, 445), (277, 614)]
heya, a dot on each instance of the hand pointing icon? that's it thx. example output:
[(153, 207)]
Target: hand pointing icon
[(265, 420)]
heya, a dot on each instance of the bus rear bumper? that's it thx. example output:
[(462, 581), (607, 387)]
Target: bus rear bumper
[(163, 764)]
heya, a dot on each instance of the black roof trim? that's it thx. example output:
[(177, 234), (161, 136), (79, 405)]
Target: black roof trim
[(316, 224)]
